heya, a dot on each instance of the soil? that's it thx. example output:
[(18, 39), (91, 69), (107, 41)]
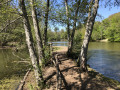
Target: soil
[(91, 80)]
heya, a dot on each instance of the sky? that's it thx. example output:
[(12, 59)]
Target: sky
[(106, 12)]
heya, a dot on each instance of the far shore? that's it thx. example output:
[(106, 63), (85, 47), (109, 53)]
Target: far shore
[(104, 40)]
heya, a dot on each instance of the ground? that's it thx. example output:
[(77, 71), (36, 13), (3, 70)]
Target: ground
[(75, 80)]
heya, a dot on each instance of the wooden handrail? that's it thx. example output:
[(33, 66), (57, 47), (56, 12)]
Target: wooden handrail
[(59, 74)]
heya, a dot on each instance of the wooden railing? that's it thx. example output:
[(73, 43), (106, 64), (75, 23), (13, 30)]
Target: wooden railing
[(60, 76)]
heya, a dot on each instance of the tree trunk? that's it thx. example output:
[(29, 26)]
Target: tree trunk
[(29, 40), (70, 46), (37, 33), (89, 27), (46, 24), (68, 25)]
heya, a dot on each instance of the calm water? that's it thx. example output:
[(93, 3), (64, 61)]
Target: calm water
[(11, 65), (59, 43), (103, 57)]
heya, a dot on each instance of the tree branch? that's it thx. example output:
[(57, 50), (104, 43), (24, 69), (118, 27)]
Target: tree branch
[(10, 24)]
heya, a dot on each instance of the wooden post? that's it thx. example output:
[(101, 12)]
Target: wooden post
[(59, 79), (60, 76), (51, 50)]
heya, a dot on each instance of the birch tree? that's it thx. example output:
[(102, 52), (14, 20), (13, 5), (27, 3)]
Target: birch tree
[(46, 23), (68, 24), (37, 33), (89, 27), (70, 37), (29, 41)]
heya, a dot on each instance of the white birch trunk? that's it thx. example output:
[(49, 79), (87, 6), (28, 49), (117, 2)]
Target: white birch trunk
[(89, 27), (37, 33), (29, 40)]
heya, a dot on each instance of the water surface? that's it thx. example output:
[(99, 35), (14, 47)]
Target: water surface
[(60, 43), (105, 58), (12, 65)]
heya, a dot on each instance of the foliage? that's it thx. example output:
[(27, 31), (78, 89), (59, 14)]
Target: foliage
[(57, 36), (63, 35), (15, 36), (108, 29), (76, 50), (10, 32), (47, 55), (112, 31), (77, 44), (77, 37), (97, 32)]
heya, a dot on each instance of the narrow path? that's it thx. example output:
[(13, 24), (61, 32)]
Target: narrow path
[(69, 70)]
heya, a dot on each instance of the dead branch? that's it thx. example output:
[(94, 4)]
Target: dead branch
[(20, 87)]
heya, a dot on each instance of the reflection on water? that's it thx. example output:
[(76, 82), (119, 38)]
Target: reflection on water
[(105, 58), (10, 64)]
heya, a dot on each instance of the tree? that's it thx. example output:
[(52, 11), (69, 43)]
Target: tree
[(68, 24), (107, 29), (70, 15), (57, 37), (46, 23), (97, 33), (70, 45), (75, 13), (29, 40), (111, 27), (63, 34), (82, 59), (37, 33), (56, 29)]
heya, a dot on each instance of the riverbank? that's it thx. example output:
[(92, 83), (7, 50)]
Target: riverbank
[(75, 80), (104, 40)]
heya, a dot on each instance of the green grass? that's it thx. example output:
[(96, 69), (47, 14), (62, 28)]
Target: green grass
[(10, 83)]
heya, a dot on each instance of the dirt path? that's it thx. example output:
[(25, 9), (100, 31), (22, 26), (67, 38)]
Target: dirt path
[(74, 79), (69, 70)]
